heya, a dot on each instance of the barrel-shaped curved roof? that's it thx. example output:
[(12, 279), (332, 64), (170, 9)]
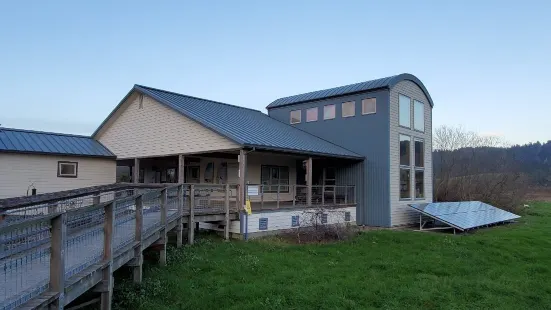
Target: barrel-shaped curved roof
[(387, 82)]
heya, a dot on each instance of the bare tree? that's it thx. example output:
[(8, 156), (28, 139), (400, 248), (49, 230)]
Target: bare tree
[(469, 166)]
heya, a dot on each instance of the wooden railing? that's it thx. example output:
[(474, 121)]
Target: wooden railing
[(43, 254), (299, 196)]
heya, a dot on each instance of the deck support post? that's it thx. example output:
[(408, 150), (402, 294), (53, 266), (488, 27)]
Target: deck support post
[(137, 274), (227, 215), (179, 224), (309, 181), (107, 272), (136, 171), (57, 259), (163, 239), (191, 221)]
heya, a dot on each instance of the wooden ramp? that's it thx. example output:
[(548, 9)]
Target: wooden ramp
[(51, 258)]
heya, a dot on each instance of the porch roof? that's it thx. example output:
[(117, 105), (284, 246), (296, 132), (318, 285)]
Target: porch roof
[(248, 127)]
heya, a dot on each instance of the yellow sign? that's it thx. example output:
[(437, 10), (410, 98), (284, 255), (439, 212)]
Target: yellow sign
[(248, 207)]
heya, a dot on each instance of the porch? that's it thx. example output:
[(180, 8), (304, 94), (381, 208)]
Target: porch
[(270, 180)]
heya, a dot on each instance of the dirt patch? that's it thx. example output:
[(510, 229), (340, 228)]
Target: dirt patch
[(539, 194)]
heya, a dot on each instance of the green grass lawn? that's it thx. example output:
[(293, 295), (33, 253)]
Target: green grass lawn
[(506, 267)]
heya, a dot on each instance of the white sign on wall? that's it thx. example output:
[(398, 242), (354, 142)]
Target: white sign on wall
[(252, 190)]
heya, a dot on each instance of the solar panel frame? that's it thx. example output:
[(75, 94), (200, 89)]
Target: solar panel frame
[(464, 215)]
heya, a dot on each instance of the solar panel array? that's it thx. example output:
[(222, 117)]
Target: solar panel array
[(464, 215)]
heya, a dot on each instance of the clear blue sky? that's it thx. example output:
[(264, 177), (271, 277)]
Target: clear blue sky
[(64, 65)]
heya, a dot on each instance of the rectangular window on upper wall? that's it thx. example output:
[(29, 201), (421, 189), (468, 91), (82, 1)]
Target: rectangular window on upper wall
[(329, 111), (405, 150), (348, 109), (312, 115), (369, 106), (296, 116), (405, 183), (418, 116), (419, 184), (419, 153), (67, 169), (405, 111)]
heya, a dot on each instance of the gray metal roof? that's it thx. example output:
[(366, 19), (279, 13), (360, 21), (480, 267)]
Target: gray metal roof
[(29, 141), (245, 126), (387, 82)]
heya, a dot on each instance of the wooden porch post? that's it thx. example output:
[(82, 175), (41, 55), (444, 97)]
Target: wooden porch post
[(136, 171), (181, 169), (138, 256), (179, 225), (309, 181), (242, 175), (191, 220), (227, 215), (164, 223), (106, 285), (57, 259)]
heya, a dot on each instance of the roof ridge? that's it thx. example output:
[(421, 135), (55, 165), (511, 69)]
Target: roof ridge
[(44, 132), (193, 97)]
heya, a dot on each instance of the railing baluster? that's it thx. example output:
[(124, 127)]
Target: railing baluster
[(346, 195), (261, 196), (57, 258), (294, 194), (277, 196), (334, 195), (323, 195)]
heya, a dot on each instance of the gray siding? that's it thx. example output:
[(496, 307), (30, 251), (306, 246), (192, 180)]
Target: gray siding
[(367, 135), (353, 174), (400, 212)]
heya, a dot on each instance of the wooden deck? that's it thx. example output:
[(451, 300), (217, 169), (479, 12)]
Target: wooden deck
[(52, 259)]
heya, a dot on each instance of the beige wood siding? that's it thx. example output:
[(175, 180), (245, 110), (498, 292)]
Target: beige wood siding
[(19, 171), (152, 129), (400, 213)]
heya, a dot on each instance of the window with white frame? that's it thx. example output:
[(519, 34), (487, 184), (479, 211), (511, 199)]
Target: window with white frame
[(369, 106), (274, 177), (405, 150), (405, 167), (419, 150), (348, 109), (404, 112), (419, 184), (405, 183), (418, 116), (329, 111), (295, 116), (67, 169), (312, 114)]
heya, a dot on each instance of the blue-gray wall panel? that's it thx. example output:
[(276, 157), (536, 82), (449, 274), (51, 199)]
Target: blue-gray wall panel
[(367, 135)]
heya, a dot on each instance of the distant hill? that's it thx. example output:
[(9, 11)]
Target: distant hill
[(532, 160)]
